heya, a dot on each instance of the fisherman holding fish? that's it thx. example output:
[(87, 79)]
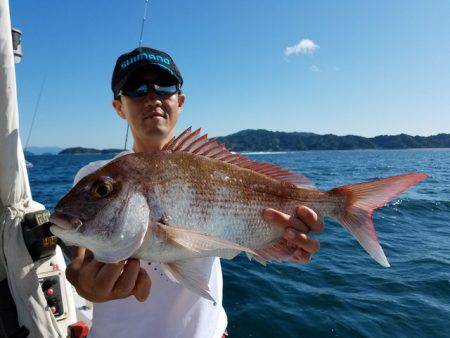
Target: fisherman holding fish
[(147, 94), (180, 203)]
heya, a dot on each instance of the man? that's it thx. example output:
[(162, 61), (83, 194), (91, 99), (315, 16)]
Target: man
[(147, 93)]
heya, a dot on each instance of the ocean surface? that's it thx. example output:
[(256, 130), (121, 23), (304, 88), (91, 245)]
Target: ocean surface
[(342, 292)]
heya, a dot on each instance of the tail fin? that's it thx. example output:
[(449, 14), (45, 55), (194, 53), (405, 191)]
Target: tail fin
[(362, 199)]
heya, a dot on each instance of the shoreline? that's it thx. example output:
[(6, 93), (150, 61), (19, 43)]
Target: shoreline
[(263, 152)]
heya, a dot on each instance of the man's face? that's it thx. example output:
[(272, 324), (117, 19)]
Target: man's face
[(151, 117)]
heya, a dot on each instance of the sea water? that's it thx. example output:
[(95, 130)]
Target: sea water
[(342, 292)]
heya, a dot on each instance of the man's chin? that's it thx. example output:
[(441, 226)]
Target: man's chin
[(154, 123), (156, 131), (156, 128)]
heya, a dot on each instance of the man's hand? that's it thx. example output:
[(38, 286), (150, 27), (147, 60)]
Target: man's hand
[(296, 229), (100, 282)]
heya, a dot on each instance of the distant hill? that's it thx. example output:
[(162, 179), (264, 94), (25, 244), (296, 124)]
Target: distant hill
[(264, 140), (80, 150), (43, 150)]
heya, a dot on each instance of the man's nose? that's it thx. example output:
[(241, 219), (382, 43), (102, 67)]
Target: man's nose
[(152, 98)]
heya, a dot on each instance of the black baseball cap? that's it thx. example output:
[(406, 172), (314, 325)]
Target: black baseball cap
[(140, 58)]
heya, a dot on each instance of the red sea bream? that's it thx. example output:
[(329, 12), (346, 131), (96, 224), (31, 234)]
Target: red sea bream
[(196, 199)]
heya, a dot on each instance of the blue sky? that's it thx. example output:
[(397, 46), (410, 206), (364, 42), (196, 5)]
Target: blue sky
[(344, 67)]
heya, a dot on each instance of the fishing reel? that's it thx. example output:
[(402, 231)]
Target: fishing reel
[(42, 246), (40, 242)]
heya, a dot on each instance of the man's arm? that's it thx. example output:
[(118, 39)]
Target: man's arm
[(296, 228), (100, 282)]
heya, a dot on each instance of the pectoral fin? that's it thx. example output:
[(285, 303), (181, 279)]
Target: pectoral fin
[(199, 241), (187, 274)]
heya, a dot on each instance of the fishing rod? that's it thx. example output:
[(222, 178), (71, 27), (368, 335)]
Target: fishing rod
[(140, 44), (35, 112), (143, 23)]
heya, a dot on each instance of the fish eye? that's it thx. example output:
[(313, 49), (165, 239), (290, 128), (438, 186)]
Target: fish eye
[(102, 190), (103, 187)]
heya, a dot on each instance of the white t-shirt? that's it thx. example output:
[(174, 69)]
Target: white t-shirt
[(171, 311)]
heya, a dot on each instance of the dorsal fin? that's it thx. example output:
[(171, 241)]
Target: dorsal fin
[(172, 144), (189, 141), (184, 143)]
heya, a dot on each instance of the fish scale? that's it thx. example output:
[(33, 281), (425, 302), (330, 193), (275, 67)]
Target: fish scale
[(221, 208)]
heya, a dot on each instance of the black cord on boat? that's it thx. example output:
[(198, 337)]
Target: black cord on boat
[(126, 137), (140, 44)]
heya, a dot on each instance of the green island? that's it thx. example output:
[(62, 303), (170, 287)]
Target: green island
[(265, 140), (85, 151)]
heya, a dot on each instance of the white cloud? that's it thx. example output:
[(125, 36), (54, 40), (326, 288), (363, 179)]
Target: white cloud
[(314, 68), (305, 46)]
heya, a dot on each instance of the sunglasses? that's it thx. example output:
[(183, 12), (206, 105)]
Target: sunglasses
[(145, 88)]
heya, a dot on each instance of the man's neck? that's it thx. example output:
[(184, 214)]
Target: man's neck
[(150, 145)]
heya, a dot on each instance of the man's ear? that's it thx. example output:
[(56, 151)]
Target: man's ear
[(181, 100), (117, 104)]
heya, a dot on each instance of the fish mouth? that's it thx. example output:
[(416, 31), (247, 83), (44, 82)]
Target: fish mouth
[(65, 221)]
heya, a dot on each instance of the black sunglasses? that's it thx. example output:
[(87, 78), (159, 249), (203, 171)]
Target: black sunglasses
[(145, 88)]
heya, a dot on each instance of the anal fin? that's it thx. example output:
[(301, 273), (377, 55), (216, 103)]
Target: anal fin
[(276, 251), (257, 258)]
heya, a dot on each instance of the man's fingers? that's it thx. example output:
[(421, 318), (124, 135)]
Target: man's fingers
[(88, 256), (283, 220), (127, 280), (73, 269), (301, 256), (90, 265), (143, 285), (304, 242), (88, 271), (310, 218), (100, 282), (107, 277)]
